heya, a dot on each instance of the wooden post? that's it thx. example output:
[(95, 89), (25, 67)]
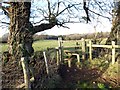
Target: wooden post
[(113, 52), (83, 48), (46, 63), (57, 56), (26, 72), (60, 49), (90, 50), (69, 62), (78, 58)]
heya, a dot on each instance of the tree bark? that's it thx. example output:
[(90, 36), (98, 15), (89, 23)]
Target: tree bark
[(20, 38), (115, 31), (21, 30), (114, 34)]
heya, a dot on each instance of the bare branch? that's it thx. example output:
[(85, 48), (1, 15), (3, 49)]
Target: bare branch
[(98, 5), (86, 10), (5, 23), (53, 7), (49, 8), (42, 27), (69, 6), (99, 14), (58, 7)]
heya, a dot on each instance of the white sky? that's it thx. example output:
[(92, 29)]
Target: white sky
[(79, 28), (74, 28)]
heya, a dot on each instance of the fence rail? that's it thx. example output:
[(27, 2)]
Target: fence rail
[(90, 45), (112, 47), (104, 46)]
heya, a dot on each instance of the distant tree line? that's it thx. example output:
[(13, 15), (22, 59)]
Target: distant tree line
[(86, 36), (37, 37), (44, 37)]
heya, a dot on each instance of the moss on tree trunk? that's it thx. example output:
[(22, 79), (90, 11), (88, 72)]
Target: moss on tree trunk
[(22, 31), (115, 31), (20, 38)]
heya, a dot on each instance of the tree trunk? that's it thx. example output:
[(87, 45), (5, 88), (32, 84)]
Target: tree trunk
[(115, 31), (21, 30), (20, 38)]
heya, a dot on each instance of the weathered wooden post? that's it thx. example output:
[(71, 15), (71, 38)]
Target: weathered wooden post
[(60, 49), (90, 49), (57, 51), (26, 72), (83, 48), (113, 52), (46, 63), (78, 58)]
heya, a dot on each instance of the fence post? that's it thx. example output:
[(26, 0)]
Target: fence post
[(46, 63), (83, 48), (90, 49), (57, 49), (60, 49), (26, 72), (113, 52)]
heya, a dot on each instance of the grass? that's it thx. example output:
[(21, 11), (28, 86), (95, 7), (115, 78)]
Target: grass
[(3, 47), (43, 44)]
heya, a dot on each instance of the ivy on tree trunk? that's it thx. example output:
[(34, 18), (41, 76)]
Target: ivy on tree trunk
[(115, 30), (22, 31)]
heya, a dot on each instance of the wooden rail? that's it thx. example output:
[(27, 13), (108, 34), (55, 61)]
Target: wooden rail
[(90, 45), (113, 47)]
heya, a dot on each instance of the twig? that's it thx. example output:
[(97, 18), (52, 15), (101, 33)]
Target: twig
[(98, 14)]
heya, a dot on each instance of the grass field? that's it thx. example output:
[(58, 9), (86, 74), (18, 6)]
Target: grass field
[(44, 44)]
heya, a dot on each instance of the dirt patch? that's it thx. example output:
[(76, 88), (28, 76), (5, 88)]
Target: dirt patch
[(75, 74)]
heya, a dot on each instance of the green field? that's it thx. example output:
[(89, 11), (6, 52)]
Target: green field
[(44, 44)]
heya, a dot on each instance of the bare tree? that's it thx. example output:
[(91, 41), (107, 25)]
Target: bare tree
[(21, 29), (23, 25)]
